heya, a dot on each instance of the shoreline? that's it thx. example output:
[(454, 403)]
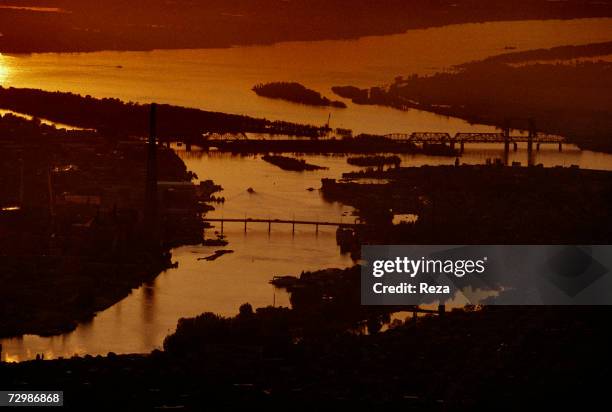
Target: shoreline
[(22, 51), (73, 243), (525, 98)]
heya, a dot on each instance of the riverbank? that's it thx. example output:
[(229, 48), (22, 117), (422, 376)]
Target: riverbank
[(295, 93), (526, 87), (463, 361), (74, 237), (113, 117), (77, 26), (480, 204)]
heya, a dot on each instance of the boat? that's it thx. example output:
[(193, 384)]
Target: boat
[(284, 281)]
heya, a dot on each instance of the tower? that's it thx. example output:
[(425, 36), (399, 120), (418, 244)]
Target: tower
[(150, 207)]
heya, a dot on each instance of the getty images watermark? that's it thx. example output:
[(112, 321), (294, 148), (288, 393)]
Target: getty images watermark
[(487, 274)]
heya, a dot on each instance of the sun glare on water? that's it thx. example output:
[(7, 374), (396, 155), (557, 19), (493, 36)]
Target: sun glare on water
[(4, 69)]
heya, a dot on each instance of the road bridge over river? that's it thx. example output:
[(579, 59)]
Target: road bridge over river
[(293, 222), (463, 138)]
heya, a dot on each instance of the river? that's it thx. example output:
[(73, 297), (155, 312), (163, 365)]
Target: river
[(220, 80)]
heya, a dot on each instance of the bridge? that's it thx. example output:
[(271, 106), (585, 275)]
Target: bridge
[(392, 143), (235, 140), (462, 138), (504, 137), (293, 222)]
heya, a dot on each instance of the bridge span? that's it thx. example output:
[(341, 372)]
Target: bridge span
[(292, 222), (390, 143), (463, 138), (533, 137)]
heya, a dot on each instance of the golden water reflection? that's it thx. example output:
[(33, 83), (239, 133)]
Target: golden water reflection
[(5, 68), (221, 79)]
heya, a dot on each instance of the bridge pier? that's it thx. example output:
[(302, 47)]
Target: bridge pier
[(515, 146), (245, 225), (560, 147), (269, 227), (462, 146), (221, 226), (538, 147), (293, 228), (317, 229)]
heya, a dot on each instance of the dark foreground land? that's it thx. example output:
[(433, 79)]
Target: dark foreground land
[(491, 359), (565, 99), (113, 117), (482, 204), (73, 234), (116, 119), (86, 25), (316, 356)]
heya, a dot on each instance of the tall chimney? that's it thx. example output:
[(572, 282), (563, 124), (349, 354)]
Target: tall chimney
[(150, 210)]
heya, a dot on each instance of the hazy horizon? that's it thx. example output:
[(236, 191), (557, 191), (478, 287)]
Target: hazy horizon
[(76, 25)]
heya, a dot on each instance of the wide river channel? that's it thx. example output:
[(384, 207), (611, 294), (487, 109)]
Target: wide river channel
[(221, 79)]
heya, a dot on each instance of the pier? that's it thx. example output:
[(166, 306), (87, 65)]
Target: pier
[(269, 222)]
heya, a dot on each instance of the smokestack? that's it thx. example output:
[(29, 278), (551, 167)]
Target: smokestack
[(153, 124), (150, 210)]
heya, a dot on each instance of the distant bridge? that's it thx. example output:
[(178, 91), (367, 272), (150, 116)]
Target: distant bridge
[(227, 140), (533, 137), (395, 142), (293, 222), (462, 138)]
